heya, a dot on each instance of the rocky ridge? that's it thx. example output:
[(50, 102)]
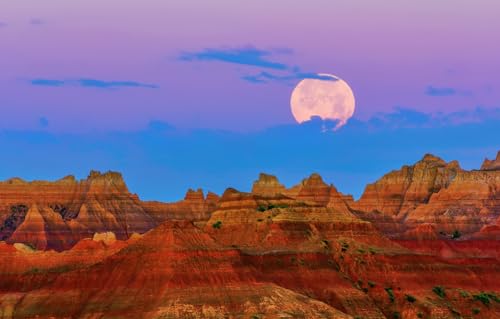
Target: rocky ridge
[(422, 242)]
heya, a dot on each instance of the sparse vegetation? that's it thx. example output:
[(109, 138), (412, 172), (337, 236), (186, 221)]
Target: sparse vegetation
[(410, 298), (420, 315), (486, 298), (361, 251), (464, 294), (438, 290), (390, 293), (263, 208), (476, 311), (456, 234), (371, 284), (396, 315), (217, 224), (260, 220)]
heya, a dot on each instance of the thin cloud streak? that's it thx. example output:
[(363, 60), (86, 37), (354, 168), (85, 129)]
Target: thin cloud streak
[(91, 83)]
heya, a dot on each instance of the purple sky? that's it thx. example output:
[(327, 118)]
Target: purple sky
[(430, 56), (179, 94)]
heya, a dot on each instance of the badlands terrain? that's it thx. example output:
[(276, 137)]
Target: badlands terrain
[(421, 242)]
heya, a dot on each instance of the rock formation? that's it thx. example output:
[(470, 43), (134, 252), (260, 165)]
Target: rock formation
[(422, 242), (194, 207), (56, 215), (491, 165)]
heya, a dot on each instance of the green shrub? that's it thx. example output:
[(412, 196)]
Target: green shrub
[(456, 234), (485, 297), (371, 284), (438, 290), (410, 298), (476, 311), (396, 315), (390, 293), (420, 315), (262, 208), (217, 224)]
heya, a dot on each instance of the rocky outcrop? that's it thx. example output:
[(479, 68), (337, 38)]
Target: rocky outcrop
[(267, 186), (491, 165), (188, 275), (452, 201), (56, 215), (305, 252), (194, 207), (401, 191)]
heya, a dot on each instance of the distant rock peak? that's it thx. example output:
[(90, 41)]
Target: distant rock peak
[(491, 165), (314, 180), (432, 158), (267, 185), (109, 175)]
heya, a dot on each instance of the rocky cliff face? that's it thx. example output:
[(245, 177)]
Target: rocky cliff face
[(432, 192), (491, 165), (194, 207), (422, 242), (401, 191), (56, 215), (267, 186)]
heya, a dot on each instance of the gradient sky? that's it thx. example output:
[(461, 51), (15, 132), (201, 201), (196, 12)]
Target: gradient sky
[(98, 73)]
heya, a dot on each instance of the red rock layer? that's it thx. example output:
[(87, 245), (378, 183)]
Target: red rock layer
[(400, 191), (267, 186), (432, 192), (491, 165), (56, 215), (307, 252), (194, 207), (173, 271)]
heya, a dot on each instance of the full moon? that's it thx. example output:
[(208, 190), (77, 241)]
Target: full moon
[(330, 98)]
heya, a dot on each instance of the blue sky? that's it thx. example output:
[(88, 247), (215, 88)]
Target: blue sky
[(189, 93), (161, 162)]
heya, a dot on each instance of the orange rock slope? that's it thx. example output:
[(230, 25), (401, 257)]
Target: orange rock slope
[(421, 242)]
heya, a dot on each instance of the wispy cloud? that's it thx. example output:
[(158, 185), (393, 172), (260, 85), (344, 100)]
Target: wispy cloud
[(92, 83), (257, 58), (47, 82), (440, 91), (410, 118), (265, 77), (245, 56)]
